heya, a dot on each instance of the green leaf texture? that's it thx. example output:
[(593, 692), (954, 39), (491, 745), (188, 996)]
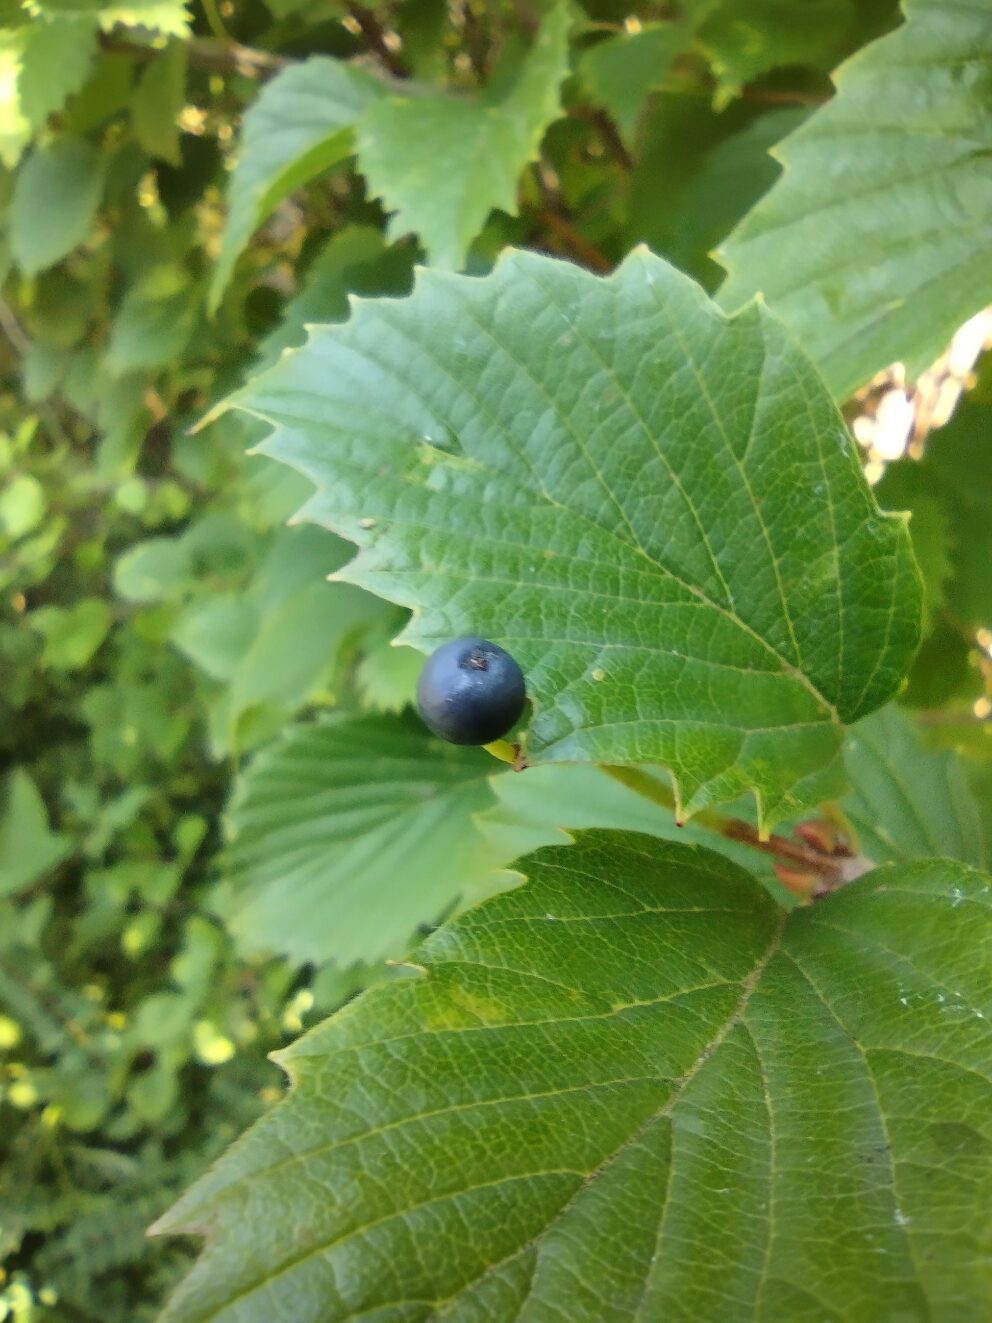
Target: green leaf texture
[(873, 245), (620, 71), (349, 833), (908, 801), (633, 1090), (443, 163), (657, 510), (301, 124)]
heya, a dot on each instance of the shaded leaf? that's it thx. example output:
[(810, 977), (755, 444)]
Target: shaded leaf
[(300, 125), (477, 149), (56, 196), (656, 510), (873, 254), (28, 848), (355, 260), (633, 1089), (745, 38), (349, 833), (952, 486), (908, 801), (623, 69), (157, 101), (729, 180), (72, 634), (154, 322)]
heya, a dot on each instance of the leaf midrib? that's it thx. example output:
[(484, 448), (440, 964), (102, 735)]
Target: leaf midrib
[(748, 986)]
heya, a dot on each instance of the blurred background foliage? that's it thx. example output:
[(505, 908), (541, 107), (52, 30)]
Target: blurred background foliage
[(168, 640)]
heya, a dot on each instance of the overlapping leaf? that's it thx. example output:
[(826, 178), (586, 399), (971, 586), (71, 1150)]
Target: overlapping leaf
[(633, 1090), (951, 488), (623, 69), (301, 124), (873, 243), (657, 510), (908, 801), (348, 834), (443, 163)]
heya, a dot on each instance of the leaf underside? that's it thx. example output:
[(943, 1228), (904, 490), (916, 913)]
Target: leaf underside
[(656, 509), (347, 834), (635, 1086)]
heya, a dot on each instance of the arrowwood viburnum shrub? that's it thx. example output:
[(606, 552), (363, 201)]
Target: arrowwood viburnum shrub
[(689, 1019)]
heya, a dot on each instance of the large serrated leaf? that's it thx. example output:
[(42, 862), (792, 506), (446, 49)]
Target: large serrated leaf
[(656, 509), (443, 163), (873, 244), (633, 1090), (347, 834), (302, 124)]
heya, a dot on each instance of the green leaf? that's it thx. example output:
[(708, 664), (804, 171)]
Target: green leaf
[(355, 260), (387, 677), (347, 834), (15, 127), (22, 505), (165, 16), (909, 802), (477, 149), (56, 61), (548, 802), (729, 180), (72, 634), (657, 510), (158, 99), (28, 848), (278, 644), (906, 486), (951, 487), (56, 196), (633, 1089), (745, 38), (153, 571), (623, 69), (154, 322), (300, 126), (873, 254)]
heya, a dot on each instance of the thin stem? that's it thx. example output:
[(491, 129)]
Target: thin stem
[(215, 22), (206, 53), (733, 829), (573, 242)]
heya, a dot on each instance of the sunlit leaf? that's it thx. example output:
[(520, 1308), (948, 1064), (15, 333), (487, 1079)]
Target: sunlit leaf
[(478, 149), (874, 252), (657, 510), (301, 124)]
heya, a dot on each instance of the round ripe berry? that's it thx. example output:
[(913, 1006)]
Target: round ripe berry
[(470, 691)]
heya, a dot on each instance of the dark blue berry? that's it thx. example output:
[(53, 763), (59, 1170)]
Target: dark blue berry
[(470, 691)]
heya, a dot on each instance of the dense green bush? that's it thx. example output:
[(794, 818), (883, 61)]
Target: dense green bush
[(705, 1032)]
